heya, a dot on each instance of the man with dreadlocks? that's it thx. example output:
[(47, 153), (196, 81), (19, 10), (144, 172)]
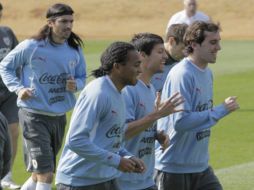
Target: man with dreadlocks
[(93, 157), (52, 70)]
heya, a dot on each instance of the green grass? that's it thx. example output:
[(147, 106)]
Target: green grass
[(232, 139), (93, 50)]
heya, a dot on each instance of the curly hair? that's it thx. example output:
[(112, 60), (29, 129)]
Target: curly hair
[(117, 52), (196, 33)]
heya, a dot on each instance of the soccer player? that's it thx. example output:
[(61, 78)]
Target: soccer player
[(188, 15), (141, 114), (5, 148), (52, 70), (184, 165), (93, 156), (8, 100), (174, 47)]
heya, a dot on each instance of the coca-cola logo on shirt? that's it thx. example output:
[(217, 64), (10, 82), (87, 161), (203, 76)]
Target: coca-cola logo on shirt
[(47, 78), (202, 107), (114, 131)]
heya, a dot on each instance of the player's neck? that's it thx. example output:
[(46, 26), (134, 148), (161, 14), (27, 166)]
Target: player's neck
[(145, 77), (190, 14), (118, 83), (57, 40), (198, 62)]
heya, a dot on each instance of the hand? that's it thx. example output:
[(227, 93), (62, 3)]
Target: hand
[(169, 106), (25, 93), (127, 165), (231, 104), (140, 165), (71, 84), (163, 139)]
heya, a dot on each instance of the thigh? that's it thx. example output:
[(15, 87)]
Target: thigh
[(57, 128), (170, 181), (208, 181), (9, 107), (38, 152), (58, 133)]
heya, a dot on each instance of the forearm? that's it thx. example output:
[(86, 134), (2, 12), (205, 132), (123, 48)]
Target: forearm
[(10, 79), (200, 120), (80, 83), (124, 153), (138, 126), (88, 150), (8, 71)]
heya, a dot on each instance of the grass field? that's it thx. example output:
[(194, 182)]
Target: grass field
[(231, 148)]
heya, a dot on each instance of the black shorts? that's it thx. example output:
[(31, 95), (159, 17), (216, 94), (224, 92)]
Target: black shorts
[(109, 185), (8, 107), (5, 147), (205, 180), (42, 137), (154, 187)]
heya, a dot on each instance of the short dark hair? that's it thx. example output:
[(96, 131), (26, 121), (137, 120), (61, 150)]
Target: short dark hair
[(196, 33), (117, 52), (1, 6), (53, 12), (145, 42), (176, 31)]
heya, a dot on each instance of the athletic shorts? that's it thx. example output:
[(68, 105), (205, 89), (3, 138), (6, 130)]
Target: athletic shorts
[(5, 147), (205, 180), (42, 138), (151, 188), (109, 185), (8, 107)]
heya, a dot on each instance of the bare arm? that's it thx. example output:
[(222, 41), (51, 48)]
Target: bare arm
[(162, 109)]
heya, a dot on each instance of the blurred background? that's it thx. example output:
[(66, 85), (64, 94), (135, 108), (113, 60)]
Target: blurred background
[(114, 19), (99, 22)]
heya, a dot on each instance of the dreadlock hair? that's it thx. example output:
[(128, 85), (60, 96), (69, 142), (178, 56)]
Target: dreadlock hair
[(117, 52), (196, 33), (53, 12), (145, 42), (176, 31)]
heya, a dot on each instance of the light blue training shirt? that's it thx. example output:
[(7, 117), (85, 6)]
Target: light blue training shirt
[(189, 131), (139, 101), (93, 146), (45, 67)]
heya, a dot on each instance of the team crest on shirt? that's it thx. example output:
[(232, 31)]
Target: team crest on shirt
[(142, 105), (72, 64), (35, 164), (113, 112), (7, 41)]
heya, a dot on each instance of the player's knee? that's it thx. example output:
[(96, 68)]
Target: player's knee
[(14, 131), (45, 177)]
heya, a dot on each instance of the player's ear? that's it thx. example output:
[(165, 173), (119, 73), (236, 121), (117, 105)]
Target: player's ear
[(194, 45), (116, 66), (142, 55), (50, 22), (171, 41)]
